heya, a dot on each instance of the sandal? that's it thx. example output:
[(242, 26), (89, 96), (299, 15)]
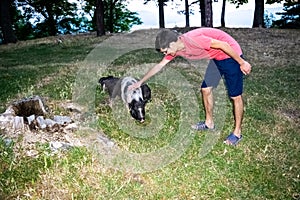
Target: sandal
[(201, 126), (232, 139)]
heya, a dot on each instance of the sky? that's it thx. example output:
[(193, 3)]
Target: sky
[(234, 18)]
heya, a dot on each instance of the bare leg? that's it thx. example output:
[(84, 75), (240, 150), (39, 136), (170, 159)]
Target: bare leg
[(238, 114), (238, 111), (208, 105)]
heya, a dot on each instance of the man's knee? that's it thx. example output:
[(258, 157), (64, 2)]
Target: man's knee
[(206, 90), (237, 98)]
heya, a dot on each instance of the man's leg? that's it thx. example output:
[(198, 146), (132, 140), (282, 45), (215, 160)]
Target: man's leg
[(234, 81), (238, 114), (238, 111), (208, 102), (211, 80)]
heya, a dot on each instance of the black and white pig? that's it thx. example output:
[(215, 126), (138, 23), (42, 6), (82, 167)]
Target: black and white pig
[(134, 99)]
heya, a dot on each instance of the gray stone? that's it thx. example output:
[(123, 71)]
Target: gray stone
[(18, 123), (41, 122), (30, 119), (62, 119)]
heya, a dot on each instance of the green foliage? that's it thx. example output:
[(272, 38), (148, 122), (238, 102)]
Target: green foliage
[(123, 18), (238, 2), (50, 16), (37, 19), (291, 17), (117, 18), (273, 1), (23, 28), (47, 18), (268, 19)]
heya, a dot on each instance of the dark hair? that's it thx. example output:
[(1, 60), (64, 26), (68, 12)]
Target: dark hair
[(164, 38)]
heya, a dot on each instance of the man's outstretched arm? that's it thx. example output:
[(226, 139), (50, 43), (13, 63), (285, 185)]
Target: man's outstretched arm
[(154, 70)]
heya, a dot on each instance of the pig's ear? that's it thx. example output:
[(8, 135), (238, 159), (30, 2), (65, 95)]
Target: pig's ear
[(146, 92), (130, 106)]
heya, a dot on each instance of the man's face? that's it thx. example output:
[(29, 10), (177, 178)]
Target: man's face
[(164, 51), (171, 50)]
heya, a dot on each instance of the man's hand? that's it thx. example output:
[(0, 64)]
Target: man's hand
[(246, 68), (134, 86)]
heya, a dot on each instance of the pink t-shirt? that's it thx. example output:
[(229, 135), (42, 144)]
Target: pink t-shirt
[(197, 44)]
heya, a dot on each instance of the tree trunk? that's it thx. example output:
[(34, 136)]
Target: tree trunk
[(52, 25), (208, 13), (187, 14), (258, 20), (111, 18), (99, 17), (161, 14), (202, 12), (51, 21), (5, 22), (223, 14)]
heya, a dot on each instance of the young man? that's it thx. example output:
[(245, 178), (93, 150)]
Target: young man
[(226, 59)]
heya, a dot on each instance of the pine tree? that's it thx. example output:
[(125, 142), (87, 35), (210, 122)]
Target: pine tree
[(291, 17)]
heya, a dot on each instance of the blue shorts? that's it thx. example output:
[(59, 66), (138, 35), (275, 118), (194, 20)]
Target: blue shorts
[(230, 70)]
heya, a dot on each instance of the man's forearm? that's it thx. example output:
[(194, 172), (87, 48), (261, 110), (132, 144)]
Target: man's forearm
[(154, 70), (226, 48), (229, 51)]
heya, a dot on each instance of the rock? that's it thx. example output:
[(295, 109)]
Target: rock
[(30, 119), (71, 127), (55, 146), (9, 111), (18, 123), (62, 120), (7, 141), (50, 123), (6, 120), (32, 153), (105, 141), (41, 122)]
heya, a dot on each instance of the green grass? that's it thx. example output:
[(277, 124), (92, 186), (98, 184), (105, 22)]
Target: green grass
[(19, 171), (265, 165)]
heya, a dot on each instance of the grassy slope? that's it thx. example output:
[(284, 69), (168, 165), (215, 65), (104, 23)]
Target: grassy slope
[(264, 166)]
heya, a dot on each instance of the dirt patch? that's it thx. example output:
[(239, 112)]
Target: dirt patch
[(29, 122), (292, 114)]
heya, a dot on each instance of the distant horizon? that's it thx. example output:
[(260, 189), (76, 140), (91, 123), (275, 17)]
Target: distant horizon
[(149, 15)]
